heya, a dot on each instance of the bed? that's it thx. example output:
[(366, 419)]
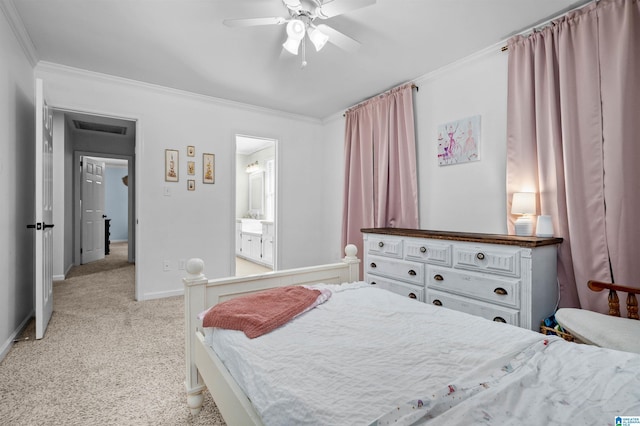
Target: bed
[(367, 356)]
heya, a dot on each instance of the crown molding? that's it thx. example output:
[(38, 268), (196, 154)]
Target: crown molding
[(443, 70), (15, 22), (50, 67)]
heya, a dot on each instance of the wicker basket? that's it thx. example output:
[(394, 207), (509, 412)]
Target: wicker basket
[(552, 331)]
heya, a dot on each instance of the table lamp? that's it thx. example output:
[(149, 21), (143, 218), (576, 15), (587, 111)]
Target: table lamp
[(524, 204)]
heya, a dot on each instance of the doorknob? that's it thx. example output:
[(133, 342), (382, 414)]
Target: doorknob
[(104, 216), (39, 226)]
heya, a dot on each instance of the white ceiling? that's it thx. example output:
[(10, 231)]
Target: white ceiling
[(183, 44)]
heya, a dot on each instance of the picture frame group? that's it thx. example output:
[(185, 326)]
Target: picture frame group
[(172, 167)]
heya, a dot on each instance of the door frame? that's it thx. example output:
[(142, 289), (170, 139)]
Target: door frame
[(77, 211), (276, 203), (135, 180)]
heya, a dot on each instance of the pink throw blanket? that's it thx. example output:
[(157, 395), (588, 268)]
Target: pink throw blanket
[(262, 312)]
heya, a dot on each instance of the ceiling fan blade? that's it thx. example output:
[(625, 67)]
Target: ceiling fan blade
[(333, 8), (251, 22), (339, 39)]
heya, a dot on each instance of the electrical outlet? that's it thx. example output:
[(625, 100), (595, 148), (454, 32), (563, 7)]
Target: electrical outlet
[(167, 191), (181, 264), (166, 266)]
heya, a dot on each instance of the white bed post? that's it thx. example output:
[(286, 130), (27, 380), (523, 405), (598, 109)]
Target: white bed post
[(351, 258), (194, 296)]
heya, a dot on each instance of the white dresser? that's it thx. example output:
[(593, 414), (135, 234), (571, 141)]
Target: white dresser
[(500, 277)]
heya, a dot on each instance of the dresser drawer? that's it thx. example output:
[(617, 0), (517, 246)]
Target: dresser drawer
[(503, 291), (491, 259), (412, 272), (409, 290), (390, 247), (474, 307), (428, 251)]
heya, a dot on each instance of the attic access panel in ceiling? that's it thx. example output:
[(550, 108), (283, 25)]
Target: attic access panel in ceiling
[(99, 127)]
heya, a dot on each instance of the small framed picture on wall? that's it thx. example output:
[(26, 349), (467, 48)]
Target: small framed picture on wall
[(208, 168), (171, 172), (191, 185), (191, 151), (191, 168)]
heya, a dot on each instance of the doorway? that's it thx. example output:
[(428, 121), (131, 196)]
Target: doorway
[(104, 211), (256, 205), (110, 142)]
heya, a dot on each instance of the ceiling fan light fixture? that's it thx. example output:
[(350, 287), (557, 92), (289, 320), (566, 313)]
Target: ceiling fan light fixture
[(318, 38), (295, 33), (291, 45), (296, 29)]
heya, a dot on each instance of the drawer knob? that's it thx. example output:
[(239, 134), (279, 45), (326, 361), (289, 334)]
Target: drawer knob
[(423, 249), (437, 302), (412, 296), (480, 256), (499, 319), (373, 265), (381, 244), (501, 291), (438, 277), (412, 272)]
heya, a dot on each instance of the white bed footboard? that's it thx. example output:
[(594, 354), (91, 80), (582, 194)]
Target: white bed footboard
[(203, 368)]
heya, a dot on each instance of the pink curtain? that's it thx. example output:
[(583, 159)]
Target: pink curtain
[(573, 113), (381, 188)]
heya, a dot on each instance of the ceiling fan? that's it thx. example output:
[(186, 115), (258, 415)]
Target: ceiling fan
[(300, 22)]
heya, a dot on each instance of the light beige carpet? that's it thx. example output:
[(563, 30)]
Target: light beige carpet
[(105, 359)]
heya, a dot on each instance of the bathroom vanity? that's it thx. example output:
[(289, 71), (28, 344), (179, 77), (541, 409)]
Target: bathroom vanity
[(255, 240)]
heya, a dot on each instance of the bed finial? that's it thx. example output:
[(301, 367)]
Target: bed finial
[(351, 251), (194, 268)]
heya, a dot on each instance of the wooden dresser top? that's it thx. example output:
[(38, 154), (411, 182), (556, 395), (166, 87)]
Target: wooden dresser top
[(510, 240)]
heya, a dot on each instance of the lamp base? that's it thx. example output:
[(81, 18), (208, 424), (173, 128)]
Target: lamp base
[(524, 226)]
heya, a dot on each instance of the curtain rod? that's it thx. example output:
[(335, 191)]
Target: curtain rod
[(413, 86), (543, 24)]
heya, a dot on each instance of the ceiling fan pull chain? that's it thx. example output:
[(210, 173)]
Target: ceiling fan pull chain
[(304, 53)]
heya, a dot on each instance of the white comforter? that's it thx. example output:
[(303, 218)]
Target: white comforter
[(368, 356)]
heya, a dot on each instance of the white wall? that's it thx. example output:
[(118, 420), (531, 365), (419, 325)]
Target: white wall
[(200, 223), (467, 197), (17, 186), (116, 205)]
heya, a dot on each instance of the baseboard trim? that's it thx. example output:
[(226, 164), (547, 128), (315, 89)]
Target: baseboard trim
[(162, 294), (6, 346), (58, 277)]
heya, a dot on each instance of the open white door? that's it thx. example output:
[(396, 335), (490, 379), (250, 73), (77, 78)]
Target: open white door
[(44, 212), (92, 199)]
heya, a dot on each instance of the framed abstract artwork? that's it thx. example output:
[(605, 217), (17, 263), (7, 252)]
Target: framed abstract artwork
[(459, 141)]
